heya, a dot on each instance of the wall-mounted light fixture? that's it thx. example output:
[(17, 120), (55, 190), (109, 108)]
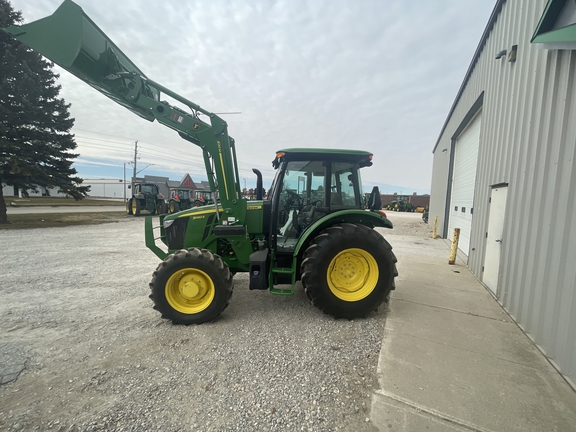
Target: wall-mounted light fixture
[(445, 150), (501, 54)]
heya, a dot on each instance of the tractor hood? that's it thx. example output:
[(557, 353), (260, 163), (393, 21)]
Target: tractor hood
[(192, 212)]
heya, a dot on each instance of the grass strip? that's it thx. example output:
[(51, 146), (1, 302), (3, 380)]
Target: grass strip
[(59, 201), (50, 220)]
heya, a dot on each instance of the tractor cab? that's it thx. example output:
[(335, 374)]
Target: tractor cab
[(180, 194), (309, 186), (313, 189), (180, 199), (142, 190), (202, 197)]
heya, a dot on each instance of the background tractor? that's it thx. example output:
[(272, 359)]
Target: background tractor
[(401, 204), (180, 199), (202, 198), (312, 227), (147, 197)]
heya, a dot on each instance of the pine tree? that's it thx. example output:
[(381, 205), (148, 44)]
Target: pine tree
[(36, 146)]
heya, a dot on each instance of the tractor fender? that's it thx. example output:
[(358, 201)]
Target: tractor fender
[(363, 217)]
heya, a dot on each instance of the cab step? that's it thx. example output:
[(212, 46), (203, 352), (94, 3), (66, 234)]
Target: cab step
[(288, 289)]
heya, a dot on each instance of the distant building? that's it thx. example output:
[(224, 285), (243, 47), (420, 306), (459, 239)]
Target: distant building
[(105, 188), (504, 170), (12, 191), (113, 188)]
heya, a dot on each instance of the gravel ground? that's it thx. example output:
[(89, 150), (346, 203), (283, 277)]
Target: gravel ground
[(408, 224), (81, 348)]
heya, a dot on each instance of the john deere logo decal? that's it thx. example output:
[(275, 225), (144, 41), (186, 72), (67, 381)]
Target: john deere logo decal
[(196, 126)]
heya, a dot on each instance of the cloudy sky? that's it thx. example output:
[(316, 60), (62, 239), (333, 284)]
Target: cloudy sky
[(375, 75)]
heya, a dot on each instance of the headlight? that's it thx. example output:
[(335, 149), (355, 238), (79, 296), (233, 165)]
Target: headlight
[(168, 223)]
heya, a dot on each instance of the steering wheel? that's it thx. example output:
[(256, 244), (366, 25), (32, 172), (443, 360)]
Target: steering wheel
[(293, 200)]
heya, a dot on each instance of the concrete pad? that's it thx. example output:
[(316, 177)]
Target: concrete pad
[(434, 274), (426, 284), (391, 414), (478, 391), (480, 335), (460, 299), (453, 360)]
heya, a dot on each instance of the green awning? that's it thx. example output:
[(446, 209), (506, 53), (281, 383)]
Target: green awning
[(557, 26)]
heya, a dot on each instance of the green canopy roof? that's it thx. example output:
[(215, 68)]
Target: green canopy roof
[(557, 26)]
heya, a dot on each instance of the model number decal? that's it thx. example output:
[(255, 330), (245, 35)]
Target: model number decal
[(177, 118)]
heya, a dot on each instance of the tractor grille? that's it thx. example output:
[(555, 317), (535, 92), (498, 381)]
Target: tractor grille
[(175, 234)]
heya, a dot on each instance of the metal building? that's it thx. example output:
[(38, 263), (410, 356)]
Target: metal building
[(504, 170)]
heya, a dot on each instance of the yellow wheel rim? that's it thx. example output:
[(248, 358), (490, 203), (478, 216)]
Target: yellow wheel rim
[(352, 274), (189, 290), (134, 206)]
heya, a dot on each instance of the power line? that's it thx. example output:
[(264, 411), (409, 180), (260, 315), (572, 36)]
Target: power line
[(114, 136), (81, 137), (153, 153), (172, 155), (168, 157), (99, 147), (100, 133)]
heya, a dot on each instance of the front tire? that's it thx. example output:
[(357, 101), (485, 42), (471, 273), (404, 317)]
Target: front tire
[(173, 207), (160, 208), (348, 271), (129, 207), (191, 286)]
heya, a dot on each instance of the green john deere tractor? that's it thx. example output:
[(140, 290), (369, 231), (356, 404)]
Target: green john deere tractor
[(401, 204), (180, 199), (202, 198), (147, 197), (312, 227)]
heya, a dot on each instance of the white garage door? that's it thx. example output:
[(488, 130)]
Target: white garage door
[(463, 182)]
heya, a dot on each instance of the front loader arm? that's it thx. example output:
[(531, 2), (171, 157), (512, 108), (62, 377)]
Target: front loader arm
[(72, 40), (218, 147)]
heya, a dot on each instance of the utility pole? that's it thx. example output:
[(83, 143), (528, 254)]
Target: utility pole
[(129, 163), (135, 157)]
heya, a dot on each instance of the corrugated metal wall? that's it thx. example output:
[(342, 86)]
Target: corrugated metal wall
[(528, 140)]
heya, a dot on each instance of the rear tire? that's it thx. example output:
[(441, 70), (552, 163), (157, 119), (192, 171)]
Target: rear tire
[(136, 207), (191, 286), (348, 271)]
